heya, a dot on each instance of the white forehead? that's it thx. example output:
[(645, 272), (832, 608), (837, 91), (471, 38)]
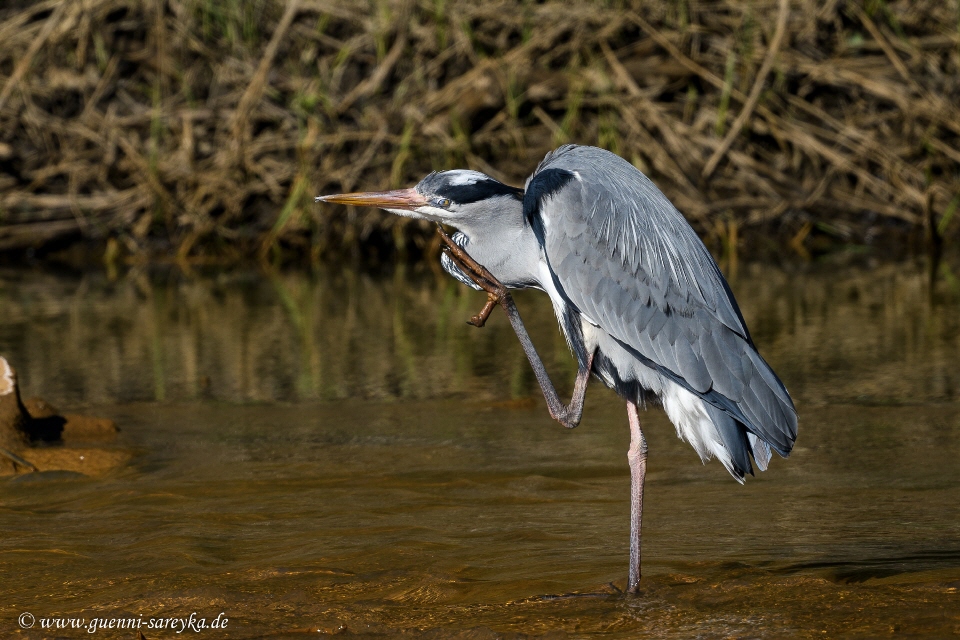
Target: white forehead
[(461, 177)]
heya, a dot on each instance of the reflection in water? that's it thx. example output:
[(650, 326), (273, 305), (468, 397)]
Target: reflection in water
[(336, 452), (258, 338), (864, 335)]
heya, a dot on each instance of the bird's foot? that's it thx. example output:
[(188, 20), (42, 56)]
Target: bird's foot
[(496, 292)]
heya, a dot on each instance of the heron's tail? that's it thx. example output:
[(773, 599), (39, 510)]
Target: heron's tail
[(714, 433), (762, 420), (767, 407), (740, 444)]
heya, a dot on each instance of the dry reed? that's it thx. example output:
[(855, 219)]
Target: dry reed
[(200, 129)]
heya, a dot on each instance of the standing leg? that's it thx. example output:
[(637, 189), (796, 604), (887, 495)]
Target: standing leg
[(637, 456)]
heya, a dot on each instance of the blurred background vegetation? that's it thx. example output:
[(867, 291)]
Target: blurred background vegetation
[(200, 130)]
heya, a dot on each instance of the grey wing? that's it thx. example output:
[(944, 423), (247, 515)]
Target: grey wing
[(625, 258)]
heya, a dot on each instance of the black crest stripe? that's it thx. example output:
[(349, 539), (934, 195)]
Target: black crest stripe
[(479, 190)]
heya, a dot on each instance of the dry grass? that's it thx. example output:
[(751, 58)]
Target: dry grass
[(201, 129)]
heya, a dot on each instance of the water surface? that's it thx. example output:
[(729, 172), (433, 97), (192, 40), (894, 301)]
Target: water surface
[(339, 452)]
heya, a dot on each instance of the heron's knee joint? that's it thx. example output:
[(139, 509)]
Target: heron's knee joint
[(637, 454)]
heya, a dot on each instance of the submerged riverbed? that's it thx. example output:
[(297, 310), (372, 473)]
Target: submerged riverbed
[(340, 452)]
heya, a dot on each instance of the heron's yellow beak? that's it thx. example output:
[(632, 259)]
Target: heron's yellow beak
[(399, 199)]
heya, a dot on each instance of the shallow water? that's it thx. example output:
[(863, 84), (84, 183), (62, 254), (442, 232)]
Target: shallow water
[(339, 453)]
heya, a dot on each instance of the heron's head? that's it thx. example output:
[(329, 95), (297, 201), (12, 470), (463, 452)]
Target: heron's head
[(454, 197)]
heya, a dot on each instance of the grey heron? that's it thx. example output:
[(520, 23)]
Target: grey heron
[(639, 298)]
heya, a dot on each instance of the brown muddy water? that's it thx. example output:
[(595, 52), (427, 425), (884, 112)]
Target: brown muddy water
[(339, 453)]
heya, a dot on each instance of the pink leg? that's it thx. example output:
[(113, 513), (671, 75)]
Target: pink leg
[(637, 456)]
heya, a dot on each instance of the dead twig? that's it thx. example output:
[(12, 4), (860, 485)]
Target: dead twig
[(255, 88), (27, 58), (747, 110)]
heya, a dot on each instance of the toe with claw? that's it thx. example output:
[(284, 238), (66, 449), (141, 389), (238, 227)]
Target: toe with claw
[(496, 292)]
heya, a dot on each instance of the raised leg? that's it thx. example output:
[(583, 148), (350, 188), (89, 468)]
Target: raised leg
[(567, 415), (637, 456), (496, 292)]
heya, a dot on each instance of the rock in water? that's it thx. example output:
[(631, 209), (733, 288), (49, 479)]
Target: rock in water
[(23, 423), (13, 415)]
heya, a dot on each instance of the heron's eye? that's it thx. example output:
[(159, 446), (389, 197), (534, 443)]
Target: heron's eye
[(443, 202)]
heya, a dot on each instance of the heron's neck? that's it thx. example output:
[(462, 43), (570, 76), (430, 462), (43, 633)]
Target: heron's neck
[(505, 246)]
